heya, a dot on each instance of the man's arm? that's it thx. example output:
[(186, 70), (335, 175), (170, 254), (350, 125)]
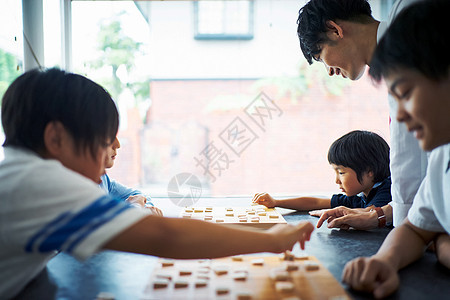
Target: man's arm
[(378, 274), (300, 203), (181, 238), (361, 219)]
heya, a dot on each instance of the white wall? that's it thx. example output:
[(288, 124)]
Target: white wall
[(273, 51)]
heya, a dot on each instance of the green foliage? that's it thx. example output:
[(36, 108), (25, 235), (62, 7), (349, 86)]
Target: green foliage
[(118, 51), (8, 71), (310, 76)]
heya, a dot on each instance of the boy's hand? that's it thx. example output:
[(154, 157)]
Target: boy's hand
[(155, 211), (370, 274), (264, 199), (137, 200), (287, 235)]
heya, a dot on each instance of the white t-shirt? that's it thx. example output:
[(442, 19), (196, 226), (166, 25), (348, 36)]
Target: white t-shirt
[(431, 208), (46, 208), (408, 162)]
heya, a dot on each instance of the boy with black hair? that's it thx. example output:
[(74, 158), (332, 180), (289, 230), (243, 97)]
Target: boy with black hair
[(57, 127), (342, 34), (121, 192), (361, 162), (413, 59)]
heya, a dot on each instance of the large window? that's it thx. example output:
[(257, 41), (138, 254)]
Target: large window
[(11, 48), (223, 20), (242, 116)]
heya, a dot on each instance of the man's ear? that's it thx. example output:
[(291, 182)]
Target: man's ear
[(335, 31), (54, 135)]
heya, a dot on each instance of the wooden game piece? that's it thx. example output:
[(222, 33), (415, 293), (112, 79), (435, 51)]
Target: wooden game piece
[(303, 256), (258, 262), (273, 216), (237, 258), (186, 215), (279, 274), (203, 277), (291, 267), (188, 210), (220, 220), (242, 216), (207, 218), (239, 276), (229, 209), (164, 276), (185, 272), (255, 219), (262, 213), (160, 283), (243, 295), (209, 208), (251, 212), (284, 286), (198, 210), (241, 270), (287, 255), (181, 284), (221, 270), (222, 290), (203, 270), (201, 283), (241, 220), (229, 214), (167, 263), (311, 266)]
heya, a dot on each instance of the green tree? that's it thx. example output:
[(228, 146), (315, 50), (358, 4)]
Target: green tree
[(118, 51), (8, 70), (308, 77)]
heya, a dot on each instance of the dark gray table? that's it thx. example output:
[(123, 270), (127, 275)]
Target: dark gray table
[(126, 275)]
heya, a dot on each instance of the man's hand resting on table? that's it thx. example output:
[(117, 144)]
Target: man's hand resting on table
[(343, 217)]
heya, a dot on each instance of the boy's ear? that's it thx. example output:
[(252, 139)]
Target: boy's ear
[(335, 31), (54, 136)]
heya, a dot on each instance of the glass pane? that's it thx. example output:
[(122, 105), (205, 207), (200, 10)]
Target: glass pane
[(242, 116), (11, 48)]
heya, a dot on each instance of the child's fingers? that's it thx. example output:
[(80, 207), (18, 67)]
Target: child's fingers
[(257, 196)]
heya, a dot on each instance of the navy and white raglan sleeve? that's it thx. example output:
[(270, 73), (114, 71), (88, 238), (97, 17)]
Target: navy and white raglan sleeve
[(72, 214)]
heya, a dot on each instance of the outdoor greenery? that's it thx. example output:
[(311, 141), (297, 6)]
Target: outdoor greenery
[(117, 54), (309, 76), (8, 70)]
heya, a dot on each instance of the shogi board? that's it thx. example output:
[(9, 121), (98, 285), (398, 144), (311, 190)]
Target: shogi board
[(260, 283), (255, 216)]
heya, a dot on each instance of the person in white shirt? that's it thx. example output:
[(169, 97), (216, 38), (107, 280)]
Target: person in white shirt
[(58, 127), (343, 36), (413, 59)]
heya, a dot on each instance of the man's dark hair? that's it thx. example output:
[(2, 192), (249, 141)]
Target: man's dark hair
[(361, 151), (39, 97), (418, 39), (313, 17)]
